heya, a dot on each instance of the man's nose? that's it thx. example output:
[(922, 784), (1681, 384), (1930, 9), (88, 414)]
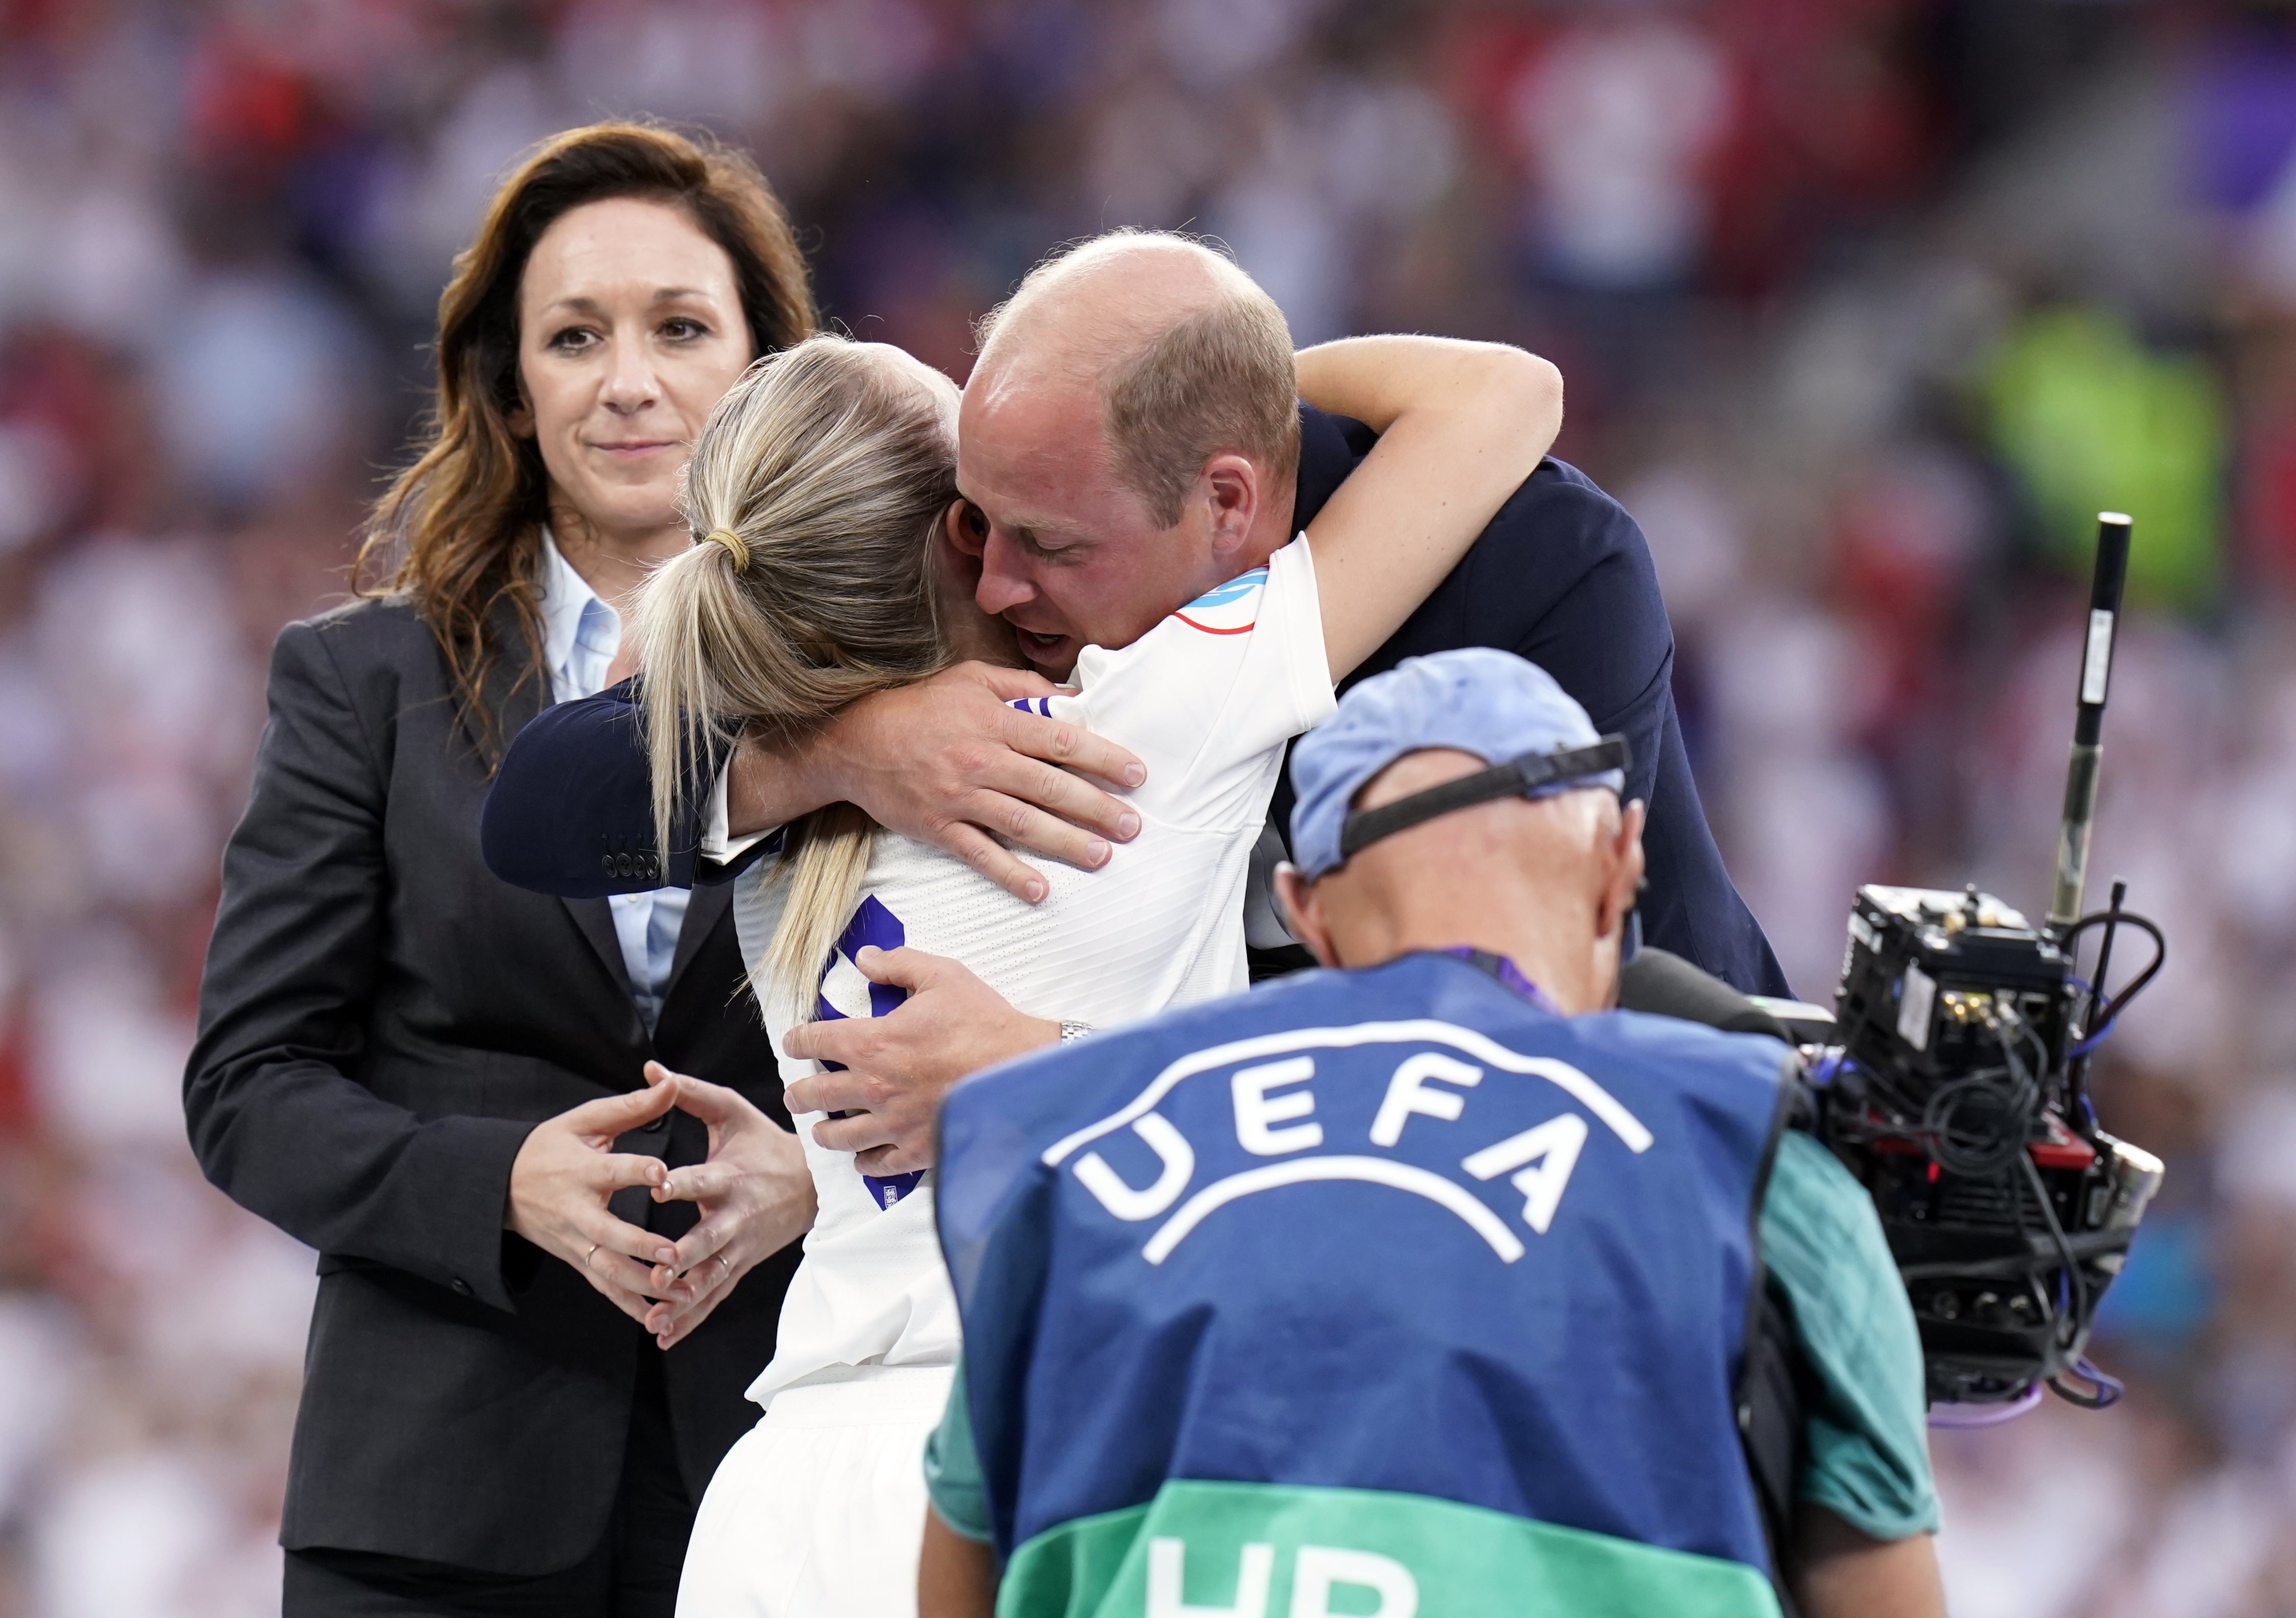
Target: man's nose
[(1004, 583)]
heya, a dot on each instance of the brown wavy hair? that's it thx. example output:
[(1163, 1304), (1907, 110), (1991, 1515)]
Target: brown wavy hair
[(459, 532)]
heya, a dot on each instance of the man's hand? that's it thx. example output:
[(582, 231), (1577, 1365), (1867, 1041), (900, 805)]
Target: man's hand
[(944, 761), (899, 1066), (754, 1193), (559, 1184)]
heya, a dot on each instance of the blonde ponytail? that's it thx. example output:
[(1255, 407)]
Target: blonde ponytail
[(825, 865), (812, 494)]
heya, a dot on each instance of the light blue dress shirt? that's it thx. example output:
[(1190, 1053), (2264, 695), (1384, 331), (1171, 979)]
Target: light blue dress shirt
[(580, 635)]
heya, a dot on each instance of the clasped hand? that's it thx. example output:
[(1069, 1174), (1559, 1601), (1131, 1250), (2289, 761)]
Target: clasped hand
[(754, 1192)]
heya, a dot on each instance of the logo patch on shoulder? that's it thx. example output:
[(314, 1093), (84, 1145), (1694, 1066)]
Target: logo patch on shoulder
[(1232, 609)]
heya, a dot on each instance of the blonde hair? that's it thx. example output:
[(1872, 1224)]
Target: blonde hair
[(827, 470), (1217, 374)]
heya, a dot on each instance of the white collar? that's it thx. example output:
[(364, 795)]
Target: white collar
[(566, 598)]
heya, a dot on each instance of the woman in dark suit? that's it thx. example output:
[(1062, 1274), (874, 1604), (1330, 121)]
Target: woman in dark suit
[(434, 1078)]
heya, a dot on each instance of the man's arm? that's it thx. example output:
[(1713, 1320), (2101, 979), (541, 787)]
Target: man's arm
[(946, 760), (1840, 1573), (956, 1577), (956, 1574), (1866, 1504), (570, 811)]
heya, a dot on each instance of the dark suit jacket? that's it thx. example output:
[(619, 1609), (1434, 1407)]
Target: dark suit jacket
[(381, 1025), (1561, 576)]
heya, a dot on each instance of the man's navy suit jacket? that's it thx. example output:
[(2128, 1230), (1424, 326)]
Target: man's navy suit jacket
[(1562, 576)]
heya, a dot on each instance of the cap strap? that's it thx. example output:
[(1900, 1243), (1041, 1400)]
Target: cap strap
[(1511, 779)]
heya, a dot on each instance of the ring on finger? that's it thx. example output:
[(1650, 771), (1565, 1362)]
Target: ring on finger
[(721, 1260), (589, 1255)]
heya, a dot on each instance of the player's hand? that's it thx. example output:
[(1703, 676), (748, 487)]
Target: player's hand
[(899, 1066), (754, 1193), (559, 1185), (947, 762)]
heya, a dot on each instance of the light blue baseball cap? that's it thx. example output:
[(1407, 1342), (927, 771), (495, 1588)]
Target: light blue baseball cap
[(1494, 704)]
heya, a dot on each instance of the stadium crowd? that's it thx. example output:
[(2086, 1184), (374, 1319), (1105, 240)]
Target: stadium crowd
[(1865, 307)]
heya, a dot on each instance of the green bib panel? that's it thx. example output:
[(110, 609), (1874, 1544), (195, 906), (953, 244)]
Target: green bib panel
[(1262, 1550)]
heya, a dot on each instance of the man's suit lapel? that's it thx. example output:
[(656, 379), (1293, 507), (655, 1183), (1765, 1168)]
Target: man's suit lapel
[(514, 691)]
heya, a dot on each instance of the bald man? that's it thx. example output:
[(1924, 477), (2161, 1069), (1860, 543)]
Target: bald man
[(1117, 413), (1430, 1274), (1113, 423)]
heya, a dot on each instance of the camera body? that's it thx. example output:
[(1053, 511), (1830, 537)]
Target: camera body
[(1951, 1087)]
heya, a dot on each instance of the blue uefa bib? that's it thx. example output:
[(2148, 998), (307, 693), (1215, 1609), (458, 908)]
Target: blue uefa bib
[(1397, 1236)]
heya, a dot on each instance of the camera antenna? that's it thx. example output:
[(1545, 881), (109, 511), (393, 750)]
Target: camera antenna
[(2113, 528)]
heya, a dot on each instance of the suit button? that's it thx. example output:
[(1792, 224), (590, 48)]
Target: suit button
[(655, 1126), (606, 864), (622, 865), (463, 1286), (653, 869)]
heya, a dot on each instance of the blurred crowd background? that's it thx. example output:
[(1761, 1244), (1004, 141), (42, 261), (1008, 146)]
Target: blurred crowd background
[(1866, 307)]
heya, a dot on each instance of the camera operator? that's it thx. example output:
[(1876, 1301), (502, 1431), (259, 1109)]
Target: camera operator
[(1430, 1274)]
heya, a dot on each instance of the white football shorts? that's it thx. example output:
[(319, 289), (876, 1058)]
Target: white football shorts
[(818, 1511)]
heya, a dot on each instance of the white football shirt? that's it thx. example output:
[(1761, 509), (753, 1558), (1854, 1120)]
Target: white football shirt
[(1207, 701)]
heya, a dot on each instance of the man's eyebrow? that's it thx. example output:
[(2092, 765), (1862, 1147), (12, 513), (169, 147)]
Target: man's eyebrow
[(1026, 532), (1064, 539)]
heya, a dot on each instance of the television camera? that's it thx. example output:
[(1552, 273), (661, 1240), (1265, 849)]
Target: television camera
[(1951, 1078)]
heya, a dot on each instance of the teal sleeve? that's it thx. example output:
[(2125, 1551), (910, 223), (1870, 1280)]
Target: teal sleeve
[(1867, 1421), (953, 1468)]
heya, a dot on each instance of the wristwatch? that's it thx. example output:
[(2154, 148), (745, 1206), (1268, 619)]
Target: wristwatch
[(1071, 1032)]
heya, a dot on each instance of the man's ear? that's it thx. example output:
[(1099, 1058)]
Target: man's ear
[(955, 569), (1303, 914), (1626, 862), (1229, 485), (957, 530)]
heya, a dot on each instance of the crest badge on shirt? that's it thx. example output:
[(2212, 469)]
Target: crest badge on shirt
[(1232, 609), (842, 980)]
